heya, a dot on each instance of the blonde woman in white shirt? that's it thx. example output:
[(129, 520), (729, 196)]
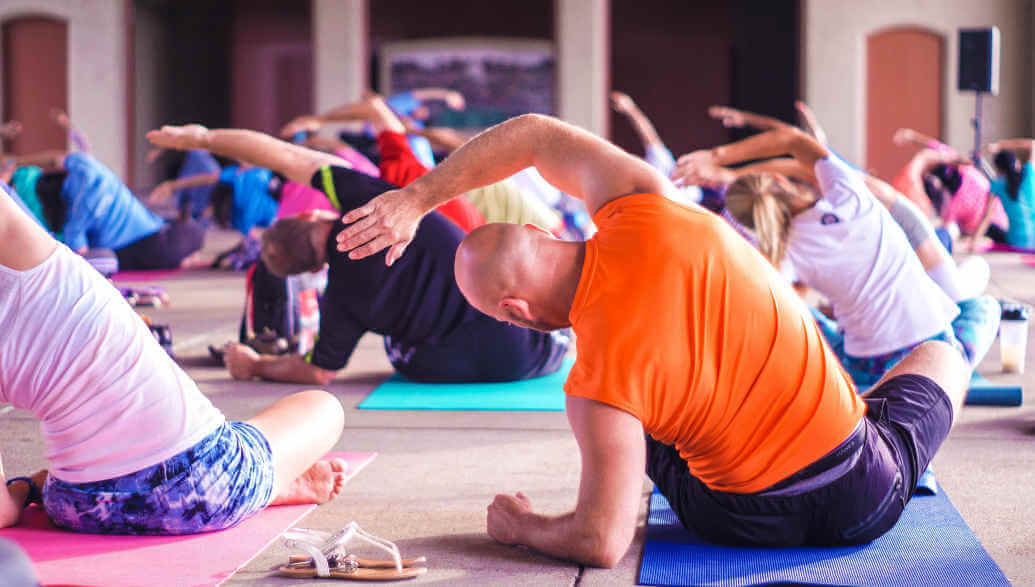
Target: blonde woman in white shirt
[(845, 243)]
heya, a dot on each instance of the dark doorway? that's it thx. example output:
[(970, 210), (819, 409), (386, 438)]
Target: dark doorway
[(677, 58)]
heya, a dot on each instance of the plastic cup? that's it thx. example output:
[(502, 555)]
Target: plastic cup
[(1013, 337)]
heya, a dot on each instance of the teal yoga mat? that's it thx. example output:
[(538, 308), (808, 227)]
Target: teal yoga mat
[(540, 394)]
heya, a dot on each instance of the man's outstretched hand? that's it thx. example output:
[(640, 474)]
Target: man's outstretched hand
[(389, 221), (181, 138)]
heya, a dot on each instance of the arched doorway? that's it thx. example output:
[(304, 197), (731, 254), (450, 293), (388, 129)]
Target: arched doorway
[(35, 80), (904, 88)]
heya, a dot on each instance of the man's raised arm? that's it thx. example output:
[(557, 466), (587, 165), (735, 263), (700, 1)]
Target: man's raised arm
[(294, 162), (573, 160)]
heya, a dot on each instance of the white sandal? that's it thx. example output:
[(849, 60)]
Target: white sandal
[(329, 559)]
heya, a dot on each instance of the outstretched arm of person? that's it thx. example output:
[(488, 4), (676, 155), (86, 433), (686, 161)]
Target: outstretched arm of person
[(452, 98), (255, 148), (571, 159), (734, 118), (624, 104), (49, 160), (907, 136), (244, 363), (1025, 146), (443, 139), (75, 136), (372, 110), (715, 176), (930, 250), (785, 166), (782, 141), (170, 186), (808, 121), (599, 531)]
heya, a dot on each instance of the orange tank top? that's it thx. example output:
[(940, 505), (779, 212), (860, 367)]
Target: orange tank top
[(684, 325)]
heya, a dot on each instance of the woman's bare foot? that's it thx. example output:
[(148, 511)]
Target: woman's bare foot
[(321, 483), (197, 260)]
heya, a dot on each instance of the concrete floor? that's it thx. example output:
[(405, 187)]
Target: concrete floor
[(437, 471)]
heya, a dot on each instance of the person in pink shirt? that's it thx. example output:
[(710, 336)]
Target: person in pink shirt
[(943, 184)]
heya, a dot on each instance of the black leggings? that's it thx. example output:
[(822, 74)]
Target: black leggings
[(164, 249)]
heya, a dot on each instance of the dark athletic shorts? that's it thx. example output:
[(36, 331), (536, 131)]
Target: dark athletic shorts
[(164, 249), (851, 496), (481, 350)]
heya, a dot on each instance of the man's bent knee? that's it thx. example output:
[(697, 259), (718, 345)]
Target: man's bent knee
[(942, 363)]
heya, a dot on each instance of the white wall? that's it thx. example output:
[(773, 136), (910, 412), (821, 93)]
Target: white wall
[(834, 67), (96, 68), (583, 40), (340, 54)]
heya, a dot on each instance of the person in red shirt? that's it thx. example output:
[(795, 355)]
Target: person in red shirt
[(685, 332), (398, 164)]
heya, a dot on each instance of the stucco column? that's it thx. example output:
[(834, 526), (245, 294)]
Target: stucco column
[(340, 30), (582, 37)]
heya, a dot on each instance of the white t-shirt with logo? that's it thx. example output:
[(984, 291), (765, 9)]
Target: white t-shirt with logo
[(72, 351), (849, 248)]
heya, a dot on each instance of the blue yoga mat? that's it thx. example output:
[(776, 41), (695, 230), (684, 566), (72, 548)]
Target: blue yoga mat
[(930, 545), (986, 393), (541, 394)]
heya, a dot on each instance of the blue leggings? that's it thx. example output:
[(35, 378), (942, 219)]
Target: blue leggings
[(972, 334), (214, 485)]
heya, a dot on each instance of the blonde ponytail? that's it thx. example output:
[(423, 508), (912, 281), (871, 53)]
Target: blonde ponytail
[(760, 203)]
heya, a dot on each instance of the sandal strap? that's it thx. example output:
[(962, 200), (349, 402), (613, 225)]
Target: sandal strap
[(327, 544), (309, 541)]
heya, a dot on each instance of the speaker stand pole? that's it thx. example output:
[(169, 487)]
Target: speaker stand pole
[(976, 122)]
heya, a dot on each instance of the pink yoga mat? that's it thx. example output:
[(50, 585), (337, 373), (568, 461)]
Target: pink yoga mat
[(154, 275), (66, 558)]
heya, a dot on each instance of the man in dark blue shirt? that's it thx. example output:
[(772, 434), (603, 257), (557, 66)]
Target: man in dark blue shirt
[(431, 332)]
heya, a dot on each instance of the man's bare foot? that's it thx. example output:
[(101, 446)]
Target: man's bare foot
[(321, 483)]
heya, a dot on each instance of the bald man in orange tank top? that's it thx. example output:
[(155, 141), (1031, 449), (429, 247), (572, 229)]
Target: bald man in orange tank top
[(753, 431)]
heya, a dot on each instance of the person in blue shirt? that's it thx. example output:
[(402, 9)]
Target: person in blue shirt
[(1015, 188), (92, 208), (241, 197)]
